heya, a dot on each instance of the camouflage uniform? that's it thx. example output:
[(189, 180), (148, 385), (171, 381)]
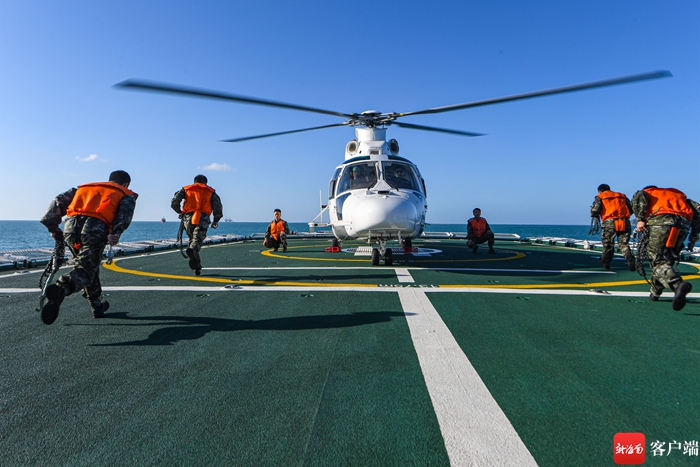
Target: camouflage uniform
[(197, 232), (270, 242), (661, 258), (86, 237), (487, 237), (609, 233)]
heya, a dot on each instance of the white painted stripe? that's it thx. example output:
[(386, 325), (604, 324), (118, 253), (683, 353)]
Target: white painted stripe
[(558, 271), (473, 426), (374, 268), (256, 288), (404, 275)]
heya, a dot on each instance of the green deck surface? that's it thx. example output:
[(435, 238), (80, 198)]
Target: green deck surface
[(306, 358)]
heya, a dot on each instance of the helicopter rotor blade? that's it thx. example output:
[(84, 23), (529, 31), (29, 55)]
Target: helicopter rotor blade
[(193, 92), (246, 138), (573, 88), (439, 130)]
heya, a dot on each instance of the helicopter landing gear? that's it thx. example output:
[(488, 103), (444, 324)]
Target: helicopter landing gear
[(335, 243), (407, 245), (381, 251)]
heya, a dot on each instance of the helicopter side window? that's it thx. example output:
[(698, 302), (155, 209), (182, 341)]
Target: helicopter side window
[(400, 175), (332, 184)]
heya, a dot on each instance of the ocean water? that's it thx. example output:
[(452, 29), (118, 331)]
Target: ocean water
[(22, 235)]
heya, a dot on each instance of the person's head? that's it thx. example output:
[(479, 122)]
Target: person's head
[(477, 212), (278, 214), (201, 179), (399, 172), (603, 187), (120, 177), (357, 171)]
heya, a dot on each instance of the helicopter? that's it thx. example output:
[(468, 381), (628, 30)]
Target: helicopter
[(375, 195)]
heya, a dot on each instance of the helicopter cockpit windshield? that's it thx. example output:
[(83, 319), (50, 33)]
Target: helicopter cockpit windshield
[(359, 175), (400, 175)]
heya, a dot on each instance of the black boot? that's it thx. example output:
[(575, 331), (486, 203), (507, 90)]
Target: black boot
[(99, 307), (193, 261), (55, 293), (681, 291)]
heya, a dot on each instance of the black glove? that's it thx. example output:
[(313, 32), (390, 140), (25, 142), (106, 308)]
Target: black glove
[(57, 235), (691, 246)]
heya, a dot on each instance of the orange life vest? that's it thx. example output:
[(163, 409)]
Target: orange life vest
[(276, 228), (614, 206), (478, 226), (667, 201), (198, 201), (100, 200)]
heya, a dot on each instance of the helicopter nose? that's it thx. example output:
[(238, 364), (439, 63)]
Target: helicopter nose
[(386, 213)]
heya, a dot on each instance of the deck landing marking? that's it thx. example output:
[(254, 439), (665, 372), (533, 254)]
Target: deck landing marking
[(404, 275), (367, 251), (232, 288), (473, 426)]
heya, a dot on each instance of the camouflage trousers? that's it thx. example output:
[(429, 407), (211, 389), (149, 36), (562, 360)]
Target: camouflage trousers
[(197, 233), (86, 238), (472, 242), (662, 259), (271, 242), (608, 235)]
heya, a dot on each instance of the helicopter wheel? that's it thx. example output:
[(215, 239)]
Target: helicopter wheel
[(334, 242), (388, 257), (407, 243), (375, 256)]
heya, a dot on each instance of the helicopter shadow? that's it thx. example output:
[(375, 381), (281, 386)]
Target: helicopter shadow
[(182, 328)]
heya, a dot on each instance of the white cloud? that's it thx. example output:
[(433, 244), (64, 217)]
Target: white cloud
[(89, 158), (216, 167)]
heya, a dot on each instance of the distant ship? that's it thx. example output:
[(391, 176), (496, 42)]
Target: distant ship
[(163, 219), (227, 219)]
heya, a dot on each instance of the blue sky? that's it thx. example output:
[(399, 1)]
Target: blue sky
[(62, 123)]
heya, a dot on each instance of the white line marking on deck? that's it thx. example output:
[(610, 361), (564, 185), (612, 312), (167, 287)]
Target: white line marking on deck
[(475, 429), (273, 288), (404, 275), (546, 271)]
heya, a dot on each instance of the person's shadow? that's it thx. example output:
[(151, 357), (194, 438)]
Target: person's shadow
[(179, 328)]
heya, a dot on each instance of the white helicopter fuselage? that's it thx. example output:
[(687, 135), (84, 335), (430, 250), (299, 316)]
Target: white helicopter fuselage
[(375, 195)]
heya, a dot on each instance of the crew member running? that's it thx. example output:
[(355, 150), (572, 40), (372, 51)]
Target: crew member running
[(199, 198), (98, 213), (614, 209), (668, 215)]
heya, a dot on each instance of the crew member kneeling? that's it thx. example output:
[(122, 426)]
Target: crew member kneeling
[(276, 233), (479, 231)]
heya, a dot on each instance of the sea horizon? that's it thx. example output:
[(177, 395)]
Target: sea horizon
[(29, 234)]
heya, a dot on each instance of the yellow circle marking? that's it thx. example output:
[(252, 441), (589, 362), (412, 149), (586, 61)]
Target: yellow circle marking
[(558, 286), (114, 267), (273, 254)]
